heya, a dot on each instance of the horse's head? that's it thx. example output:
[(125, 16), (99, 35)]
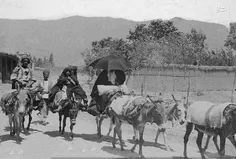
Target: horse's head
[(23, 101), (74, 109), (180, 110)]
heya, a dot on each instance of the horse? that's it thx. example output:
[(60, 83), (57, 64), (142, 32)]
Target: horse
[(70, 109), (170, 112), (211, 119)]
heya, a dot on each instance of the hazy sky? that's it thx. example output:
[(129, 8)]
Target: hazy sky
[(219, 11)]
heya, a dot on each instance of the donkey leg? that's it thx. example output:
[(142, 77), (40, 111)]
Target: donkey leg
[(232, 140), (141, 141), (30, 119), (222, 145), (189, 128), (207, 143), (136, 139), (10, 123), (119, 133), (216, 144), (60, 118), (71, 130), (157, 135), (100, 120), (23, 123), (110, 128), (64, 124), (165, 141), (114, 137), (97, 119), (199, 143)]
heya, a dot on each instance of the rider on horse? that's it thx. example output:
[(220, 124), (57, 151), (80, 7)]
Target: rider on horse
[(69, 79), (22, 76)]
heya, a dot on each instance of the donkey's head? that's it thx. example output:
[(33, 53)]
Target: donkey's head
[(74, 109), (24, 101), (179, 109)]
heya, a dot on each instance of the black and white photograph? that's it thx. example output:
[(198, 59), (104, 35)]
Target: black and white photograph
[(117, 79)]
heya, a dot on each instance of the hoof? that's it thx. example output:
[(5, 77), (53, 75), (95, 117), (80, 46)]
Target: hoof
[(12, 133), (72, 136), (122, 149), (99, 135), (141, 156), (62, 132)]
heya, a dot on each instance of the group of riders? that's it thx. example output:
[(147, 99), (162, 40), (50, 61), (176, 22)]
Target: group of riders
[(23, 77)]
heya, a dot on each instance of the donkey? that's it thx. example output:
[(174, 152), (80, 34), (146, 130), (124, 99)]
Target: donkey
[(70, 109), (212, 119), (20, 108), (174, 110), (35, 105)]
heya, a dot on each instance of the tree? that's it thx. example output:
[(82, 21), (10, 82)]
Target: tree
[(231, 38), (51, 60), (197, 43)]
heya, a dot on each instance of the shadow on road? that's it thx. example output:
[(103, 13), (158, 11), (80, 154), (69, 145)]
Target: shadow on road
[(151, 144), (88, 137), (7, 137), (216, 155), (118, 152)]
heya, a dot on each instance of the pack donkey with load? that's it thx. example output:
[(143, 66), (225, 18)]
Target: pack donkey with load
[(134, 110), (211, 119)]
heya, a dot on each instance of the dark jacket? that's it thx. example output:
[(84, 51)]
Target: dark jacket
[(102, 79)]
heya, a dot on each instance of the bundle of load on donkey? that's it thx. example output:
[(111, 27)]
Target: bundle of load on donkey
[(211, 119)]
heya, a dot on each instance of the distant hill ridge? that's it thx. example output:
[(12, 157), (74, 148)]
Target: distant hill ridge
[(68, 37)]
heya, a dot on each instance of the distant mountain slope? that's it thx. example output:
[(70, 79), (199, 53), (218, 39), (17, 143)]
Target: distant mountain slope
[(68, 37)]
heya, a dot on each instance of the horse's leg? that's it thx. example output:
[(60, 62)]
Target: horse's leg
[(216, 144), (232, 140), (141, 141), (110, 128), (207, 143), (30, 119), (222, 145), (64, 124), (199, 143), (60, 118), (136, 139), (189, 128), (119, 133)]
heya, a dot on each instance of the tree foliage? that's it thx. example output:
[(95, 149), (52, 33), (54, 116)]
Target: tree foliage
[(160, 42)]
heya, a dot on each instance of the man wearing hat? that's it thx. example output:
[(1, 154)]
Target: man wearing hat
[(23, 75), (69, 79)]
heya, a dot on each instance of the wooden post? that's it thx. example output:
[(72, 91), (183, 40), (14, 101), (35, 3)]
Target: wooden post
[(188, 90), (1, 69), (232, 94)]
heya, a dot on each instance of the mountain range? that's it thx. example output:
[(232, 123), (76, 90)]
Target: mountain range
[(66, 38)]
